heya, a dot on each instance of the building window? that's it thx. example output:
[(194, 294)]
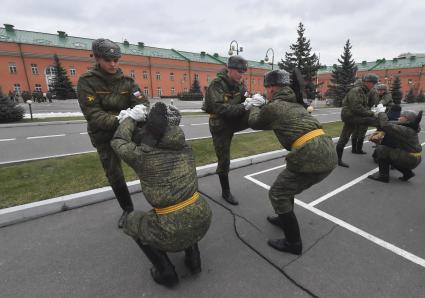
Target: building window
[(185, 77), (253, 82), (17, 88), (171, 76), (38, 88), (132, 75), (51, 71), (208, 79), (185, 90), (158, 91), (146, 91), (158, 76), (72, 71), (34, 69), (145, 75), (173, 91), (196, 76), (12, 67)]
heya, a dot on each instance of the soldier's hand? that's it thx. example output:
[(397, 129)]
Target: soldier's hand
[(247, 103), (258, 100), (123, 114)]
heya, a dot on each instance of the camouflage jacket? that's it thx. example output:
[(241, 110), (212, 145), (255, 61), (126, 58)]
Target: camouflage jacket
[(355, 104), (290, 121), (224, 97), (167, 175), (372, 98), (387, 100), (101, 97), (400, 136)]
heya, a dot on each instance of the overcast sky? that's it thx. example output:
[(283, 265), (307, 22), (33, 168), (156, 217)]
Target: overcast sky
[(377, 29)]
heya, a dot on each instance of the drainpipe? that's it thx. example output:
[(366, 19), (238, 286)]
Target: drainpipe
[(150, 75), (25, 68)]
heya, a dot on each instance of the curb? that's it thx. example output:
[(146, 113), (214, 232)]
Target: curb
[(17, 214)]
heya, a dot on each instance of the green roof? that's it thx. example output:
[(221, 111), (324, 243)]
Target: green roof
[(396, 63), (71, 42)]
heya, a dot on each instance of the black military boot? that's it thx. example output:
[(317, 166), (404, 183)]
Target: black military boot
[(359, 146), (124, 199), (353, 145), (339, 151), (163, 271), (407, 174), (192, 259), (384, 172), (225, 189), (292, 242)]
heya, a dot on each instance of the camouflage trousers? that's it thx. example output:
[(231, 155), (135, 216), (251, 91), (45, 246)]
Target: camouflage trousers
[(222, 135), (288, 184), (111, 164), (400, 159)]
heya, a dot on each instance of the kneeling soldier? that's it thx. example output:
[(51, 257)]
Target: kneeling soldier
[(165, 165), (400, 146), (312, 154)]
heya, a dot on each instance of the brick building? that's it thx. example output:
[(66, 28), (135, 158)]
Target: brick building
[(26, 63), (408, 67)]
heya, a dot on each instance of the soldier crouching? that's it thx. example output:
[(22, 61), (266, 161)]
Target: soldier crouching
[(165, 165), (400, 146), (311, 159)]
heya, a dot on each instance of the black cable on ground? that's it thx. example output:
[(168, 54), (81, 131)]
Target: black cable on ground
[(256, 251)]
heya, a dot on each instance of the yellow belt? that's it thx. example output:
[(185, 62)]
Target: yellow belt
[(415, 154), (178, 206), (308, 136)]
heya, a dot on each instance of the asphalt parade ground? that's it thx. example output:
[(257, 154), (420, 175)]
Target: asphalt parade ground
[(361, 238)]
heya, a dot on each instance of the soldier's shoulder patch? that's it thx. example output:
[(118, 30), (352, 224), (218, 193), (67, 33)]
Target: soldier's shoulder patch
[(90, 98)]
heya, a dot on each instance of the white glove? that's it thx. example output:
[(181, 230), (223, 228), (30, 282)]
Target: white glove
[(378, 109), (247, 103), (123, 114), (138, 113), (258, 100)]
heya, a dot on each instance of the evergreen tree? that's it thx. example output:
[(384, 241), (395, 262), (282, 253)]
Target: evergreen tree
[(10, 111), (343, 76), (396, 91), (195, 88), (302, 58), (61, 84), (410, 97)]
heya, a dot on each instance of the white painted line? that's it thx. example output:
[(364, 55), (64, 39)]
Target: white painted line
[(401, 252), (6, 140), (43, 137), (342, 188), (196, 124), (181, 125), (83, 133), (45, 157), (265, 171)]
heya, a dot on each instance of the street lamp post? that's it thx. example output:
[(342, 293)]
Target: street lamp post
[(267, 57), (232, 48), (29, 102)]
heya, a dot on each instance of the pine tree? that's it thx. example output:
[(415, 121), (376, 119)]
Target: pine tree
[(61, 84), (10, 111), (302, 58), (343, 75), (195, 88), (396, 91), (410, 97)]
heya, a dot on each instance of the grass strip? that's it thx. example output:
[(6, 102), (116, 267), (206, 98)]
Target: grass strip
[(44, 179)]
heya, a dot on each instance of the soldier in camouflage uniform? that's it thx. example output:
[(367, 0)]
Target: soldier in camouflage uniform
[(102, 93), (311, 155), (356, 113), (165, 165), (223, 101), (400, 147), (384, 97)]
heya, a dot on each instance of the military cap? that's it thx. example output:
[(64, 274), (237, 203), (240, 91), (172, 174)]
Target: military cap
[(237, 62), (381, 87), (104, 48), (371, 77), (410, 116), (278, 77)]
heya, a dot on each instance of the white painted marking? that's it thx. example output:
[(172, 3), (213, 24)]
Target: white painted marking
[(342, 188), (401, 252), (196, 124), (181, 125), (6, 140), (83, 133), (43, 137), (265, 171)]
